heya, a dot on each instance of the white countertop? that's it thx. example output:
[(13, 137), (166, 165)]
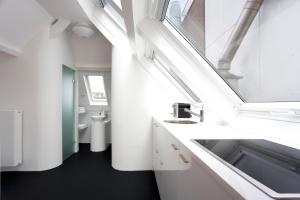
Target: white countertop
[(186, 132), (203, 130)]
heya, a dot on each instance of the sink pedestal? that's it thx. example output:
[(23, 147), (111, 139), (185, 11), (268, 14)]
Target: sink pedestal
[(98, 134)]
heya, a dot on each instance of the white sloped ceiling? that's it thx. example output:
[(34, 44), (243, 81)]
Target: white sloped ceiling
[(64, 9), (19, 22)]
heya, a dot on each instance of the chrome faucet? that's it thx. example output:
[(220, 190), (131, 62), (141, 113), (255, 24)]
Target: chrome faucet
[(200, 115)]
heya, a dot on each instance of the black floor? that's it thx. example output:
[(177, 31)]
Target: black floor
[(83, 176)]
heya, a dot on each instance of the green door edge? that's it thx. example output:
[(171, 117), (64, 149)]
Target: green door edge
[(68, 76)]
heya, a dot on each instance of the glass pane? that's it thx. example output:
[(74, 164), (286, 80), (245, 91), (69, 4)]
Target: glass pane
[(188, 18), (252, 45), (97, 88)]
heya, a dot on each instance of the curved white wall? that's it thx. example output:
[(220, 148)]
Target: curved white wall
[(32, 83), (136, 97)]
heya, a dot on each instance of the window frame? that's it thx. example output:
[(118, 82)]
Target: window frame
[(183, 41), (89, 92), (176, 78), (164, 10), (168, 23), (281, 111), (116, 6), (114, 12), (178, 34)]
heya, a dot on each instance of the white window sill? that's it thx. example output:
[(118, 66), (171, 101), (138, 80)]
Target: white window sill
[(281, 111)]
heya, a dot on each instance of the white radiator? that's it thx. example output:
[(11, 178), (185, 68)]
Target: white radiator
[(11, 138)]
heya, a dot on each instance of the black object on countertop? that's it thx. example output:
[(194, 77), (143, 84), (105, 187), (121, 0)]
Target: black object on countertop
[(178, 110)]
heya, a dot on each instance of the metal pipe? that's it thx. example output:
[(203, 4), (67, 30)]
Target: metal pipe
[(241, 28)]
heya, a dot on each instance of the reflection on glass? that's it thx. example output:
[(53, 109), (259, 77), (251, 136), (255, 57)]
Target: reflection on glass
[(188, 17), (253, 45)]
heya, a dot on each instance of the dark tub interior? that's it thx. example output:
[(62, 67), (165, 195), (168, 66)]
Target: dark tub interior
[(274, 165)]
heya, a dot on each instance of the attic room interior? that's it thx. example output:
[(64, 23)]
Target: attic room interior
[(150, 99)]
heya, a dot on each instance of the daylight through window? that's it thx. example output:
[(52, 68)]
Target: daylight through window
[(96, 89)]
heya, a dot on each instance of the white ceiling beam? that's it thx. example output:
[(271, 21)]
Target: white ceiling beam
[(127, 11), (134, 11)]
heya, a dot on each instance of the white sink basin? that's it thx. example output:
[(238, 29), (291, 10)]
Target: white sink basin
[(98, 118)]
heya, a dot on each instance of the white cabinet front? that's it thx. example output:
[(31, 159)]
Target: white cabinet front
[(179, 174)]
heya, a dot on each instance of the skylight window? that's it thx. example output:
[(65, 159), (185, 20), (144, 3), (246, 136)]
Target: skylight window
[(254, 53), (96, 90), (114, 9), (188, 17)]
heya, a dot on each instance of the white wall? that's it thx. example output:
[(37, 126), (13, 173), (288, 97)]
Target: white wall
[(85, 135), (136, 97), (32, 83), (91, 53), (268, 57)]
